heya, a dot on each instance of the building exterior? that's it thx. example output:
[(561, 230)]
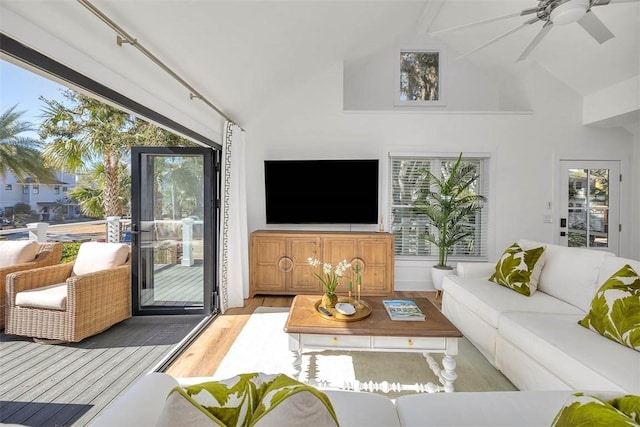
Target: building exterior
[(46, 199)]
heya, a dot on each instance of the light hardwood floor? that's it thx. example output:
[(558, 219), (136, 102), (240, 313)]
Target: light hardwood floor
[(202, 357)]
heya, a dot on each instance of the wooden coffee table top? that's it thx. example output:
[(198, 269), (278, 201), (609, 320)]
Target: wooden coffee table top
[(304, 320)]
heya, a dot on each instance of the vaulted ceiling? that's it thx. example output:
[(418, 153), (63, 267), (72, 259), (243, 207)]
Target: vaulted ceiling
[(243, 54)]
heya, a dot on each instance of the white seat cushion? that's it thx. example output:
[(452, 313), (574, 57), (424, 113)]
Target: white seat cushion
[(488, 300), (17, 252), (96, 256), (583, 358), (52, 297)]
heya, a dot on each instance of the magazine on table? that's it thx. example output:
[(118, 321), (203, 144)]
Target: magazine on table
[(403, 309)]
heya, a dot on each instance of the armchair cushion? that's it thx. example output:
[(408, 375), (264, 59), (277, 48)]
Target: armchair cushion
[(52, 297), (17, 252), (96, 256)]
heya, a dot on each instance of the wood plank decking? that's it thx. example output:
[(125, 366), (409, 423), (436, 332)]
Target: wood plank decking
[(70, 384)]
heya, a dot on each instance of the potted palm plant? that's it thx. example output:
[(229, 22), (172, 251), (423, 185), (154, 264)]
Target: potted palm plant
[(448, 204)]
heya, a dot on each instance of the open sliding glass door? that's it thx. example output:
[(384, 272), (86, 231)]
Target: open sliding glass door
[(173, 230)]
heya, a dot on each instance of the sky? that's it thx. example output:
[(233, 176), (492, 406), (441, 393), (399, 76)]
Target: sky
[(23, 87)]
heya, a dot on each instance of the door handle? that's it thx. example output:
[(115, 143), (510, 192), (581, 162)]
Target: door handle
[(141, 231)]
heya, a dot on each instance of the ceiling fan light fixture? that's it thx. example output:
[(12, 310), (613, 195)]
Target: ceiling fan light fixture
[(569, 12)]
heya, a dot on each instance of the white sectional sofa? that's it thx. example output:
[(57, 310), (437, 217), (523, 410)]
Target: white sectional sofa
[(142, 404), (536, 340)]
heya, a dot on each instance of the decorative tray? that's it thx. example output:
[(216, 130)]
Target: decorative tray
[(360, 313)]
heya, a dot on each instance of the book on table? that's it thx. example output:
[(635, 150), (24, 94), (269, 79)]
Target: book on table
[(403, 309)]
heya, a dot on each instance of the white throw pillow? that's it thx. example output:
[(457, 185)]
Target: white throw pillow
[(96, 256), (17, 252)]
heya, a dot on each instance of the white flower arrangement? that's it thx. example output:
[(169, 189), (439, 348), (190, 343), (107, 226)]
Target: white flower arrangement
[(330, 277)]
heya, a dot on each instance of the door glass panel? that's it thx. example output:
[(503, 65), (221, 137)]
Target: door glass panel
[(171, 232), (588, 216)]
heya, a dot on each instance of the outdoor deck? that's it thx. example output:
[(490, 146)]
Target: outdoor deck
[(65, 384)]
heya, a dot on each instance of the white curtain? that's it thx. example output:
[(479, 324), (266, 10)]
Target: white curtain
[(234, 245)]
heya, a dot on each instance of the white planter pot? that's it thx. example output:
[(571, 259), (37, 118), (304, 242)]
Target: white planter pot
[(437, 276)]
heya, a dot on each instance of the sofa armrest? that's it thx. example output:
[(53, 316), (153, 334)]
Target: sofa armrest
[(141, 404), (474, 270), (355, 409)]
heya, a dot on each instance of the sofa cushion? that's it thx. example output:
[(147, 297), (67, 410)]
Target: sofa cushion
[(569, 274), (615, 309), (519, 269), (481, 409), (96, 256), (248, 399), (585, 410), (52, 297), (17, 252), (489, 301), (583, 359)]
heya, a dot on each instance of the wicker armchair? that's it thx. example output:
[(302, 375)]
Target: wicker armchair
[(48, 254), (91, 302)]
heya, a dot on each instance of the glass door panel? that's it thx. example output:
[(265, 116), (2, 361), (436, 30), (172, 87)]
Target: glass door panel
[(590, 200), (170, 216)]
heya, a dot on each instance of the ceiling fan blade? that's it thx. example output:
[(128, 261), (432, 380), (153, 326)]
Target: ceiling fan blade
[(495, 39), (484, 21), (595, 27), (536, 40)]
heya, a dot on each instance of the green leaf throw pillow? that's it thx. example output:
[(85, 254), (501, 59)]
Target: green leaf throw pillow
[(581, 410), (615, 309), (629, 405), (252, 399), (519, 269)]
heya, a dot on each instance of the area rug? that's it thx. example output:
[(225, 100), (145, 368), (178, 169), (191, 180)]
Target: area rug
[(262, 346)]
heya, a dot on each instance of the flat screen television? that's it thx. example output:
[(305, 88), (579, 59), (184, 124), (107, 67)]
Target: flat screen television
[(321, 191)]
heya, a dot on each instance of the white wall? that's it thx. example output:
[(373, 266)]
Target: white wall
[(525, 150)]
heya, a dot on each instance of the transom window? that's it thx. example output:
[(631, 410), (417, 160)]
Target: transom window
[(409, 226)]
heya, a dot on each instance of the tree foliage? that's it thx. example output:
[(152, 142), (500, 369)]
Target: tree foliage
[(19, 154), (84, 135)]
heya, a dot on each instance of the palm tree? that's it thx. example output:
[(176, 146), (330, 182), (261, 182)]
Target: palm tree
[(449, 205), (20, 155), (88, 133), (84, 134)]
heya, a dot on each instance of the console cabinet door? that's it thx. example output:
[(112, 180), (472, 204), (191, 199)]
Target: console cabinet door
[(300, 278), (376, 256), (373, 255), (269, 264)]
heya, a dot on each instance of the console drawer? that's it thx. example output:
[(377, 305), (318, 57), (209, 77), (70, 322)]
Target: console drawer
[(408, 343), (338, 341)]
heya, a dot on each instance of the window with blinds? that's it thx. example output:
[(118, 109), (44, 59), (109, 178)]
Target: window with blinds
[(409, 226)]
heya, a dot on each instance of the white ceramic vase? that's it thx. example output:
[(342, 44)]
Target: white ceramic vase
[(437, 276)]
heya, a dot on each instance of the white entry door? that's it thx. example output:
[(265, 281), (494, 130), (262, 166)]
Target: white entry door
[(590, 204)]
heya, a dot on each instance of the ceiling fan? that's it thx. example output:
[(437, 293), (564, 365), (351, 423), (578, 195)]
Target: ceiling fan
[(551, 13)]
